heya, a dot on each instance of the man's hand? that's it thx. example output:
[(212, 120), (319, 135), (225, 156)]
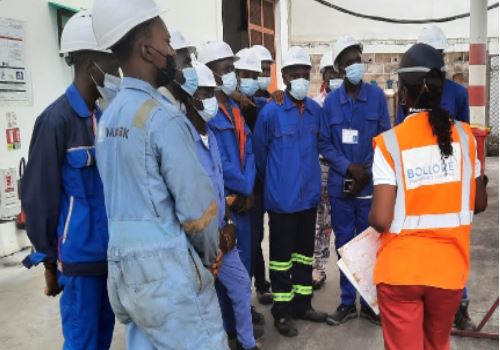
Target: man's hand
[(215, 268), (236, 202), (357, 172), (52, 288), (242, 99), (227, 238), (278, 96)]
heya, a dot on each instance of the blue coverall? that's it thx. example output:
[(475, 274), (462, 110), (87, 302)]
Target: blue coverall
[(66, 218), (239, 177), (287, 158), (233, 276), (163, 223), (366, 113)]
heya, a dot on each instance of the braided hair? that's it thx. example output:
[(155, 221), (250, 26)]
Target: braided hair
[(427, 95)]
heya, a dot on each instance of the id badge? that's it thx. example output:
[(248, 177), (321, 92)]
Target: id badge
[(350, 136)]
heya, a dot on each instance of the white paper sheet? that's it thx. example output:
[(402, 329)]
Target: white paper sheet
[(357, 263)]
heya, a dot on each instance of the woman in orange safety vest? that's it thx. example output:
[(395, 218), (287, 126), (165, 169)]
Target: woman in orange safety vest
[(428, 186)]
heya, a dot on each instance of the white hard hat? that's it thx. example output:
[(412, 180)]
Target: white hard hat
[(296, 56), (78, 34), (214, 51), (433, 36), (262, 53), (205, 75), (113, 19), (248, 61), (178, 42), (342, 44), (326, 61)]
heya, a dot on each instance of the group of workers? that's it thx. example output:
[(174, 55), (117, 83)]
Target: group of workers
[(148, 180)]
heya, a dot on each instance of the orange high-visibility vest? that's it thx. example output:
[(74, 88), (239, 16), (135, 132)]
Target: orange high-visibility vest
[(428, 241)]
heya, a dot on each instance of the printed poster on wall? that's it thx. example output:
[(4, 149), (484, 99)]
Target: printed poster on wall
[(14, 84)]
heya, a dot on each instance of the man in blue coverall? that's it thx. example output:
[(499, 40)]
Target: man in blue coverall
[(235, 146), (233, 276), (63, 197), (162, 212), (287, 159), (260, 99), (455, 100), (352, 116)]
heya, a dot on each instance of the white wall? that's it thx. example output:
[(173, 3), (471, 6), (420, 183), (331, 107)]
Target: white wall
[(198, 20), (49, 73), (49, 78), (313, 22)]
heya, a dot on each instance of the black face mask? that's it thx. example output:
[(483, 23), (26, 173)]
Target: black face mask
[(166, 75)]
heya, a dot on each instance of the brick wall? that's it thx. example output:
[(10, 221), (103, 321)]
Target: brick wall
[(381, 67)]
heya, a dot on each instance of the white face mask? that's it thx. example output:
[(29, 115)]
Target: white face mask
[(264, 82), (334, 84), (229, 83), (110, 88), (210, 108), (299, 88)]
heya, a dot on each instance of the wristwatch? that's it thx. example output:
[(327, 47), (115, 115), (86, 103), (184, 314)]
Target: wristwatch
[(230, 222)]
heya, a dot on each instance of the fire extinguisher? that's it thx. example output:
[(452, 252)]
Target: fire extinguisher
[(21, 217)]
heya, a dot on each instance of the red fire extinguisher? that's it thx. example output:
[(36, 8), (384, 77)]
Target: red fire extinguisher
[(21, 217)]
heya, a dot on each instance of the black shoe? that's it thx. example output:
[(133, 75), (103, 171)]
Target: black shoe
[(312, 315), (343, 314), (286, 327), (265, 297), (370, 315), (257, 318), (463, 321)]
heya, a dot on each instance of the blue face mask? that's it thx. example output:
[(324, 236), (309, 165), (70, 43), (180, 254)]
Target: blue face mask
[(229, 83), (299, 88), (334, 84), (248, 86), (355, 72), (210, 108), (264, 82), (191, 80)]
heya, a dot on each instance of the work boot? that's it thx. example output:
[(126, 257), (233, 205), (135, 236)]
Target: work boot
[(257, 318), (367, 313), (286, 327), (312, 315), (343, 314), (463, 321), (265, 296)]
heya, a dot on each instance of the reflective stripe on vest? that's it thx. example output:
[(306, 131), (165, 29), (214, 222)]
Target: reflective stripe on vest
[(402, 221)]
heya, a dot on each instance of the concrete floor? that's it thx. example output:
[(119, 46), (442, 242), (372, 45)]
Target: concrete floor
[(30, 321)]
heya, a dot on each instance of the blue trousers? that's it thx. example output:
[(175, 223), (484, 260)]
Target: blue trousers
[(349, 218), (244, 235), (234, 292), (87, 318)]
